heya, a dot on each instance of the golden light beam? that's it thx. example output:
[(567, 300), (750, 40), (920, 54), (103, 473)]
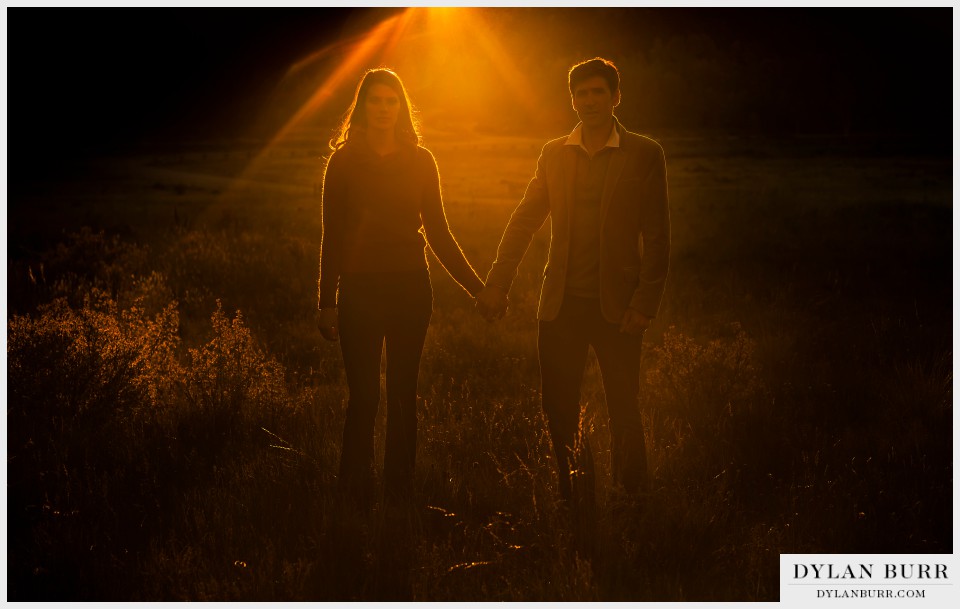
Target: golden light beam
[(403, 23), (387, 32), (383, 37), (503, 61), (316, 55)]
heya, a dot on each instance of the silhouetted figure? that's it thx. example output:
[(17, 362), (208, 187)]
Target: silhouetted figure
[(381, 196), (605, 191)]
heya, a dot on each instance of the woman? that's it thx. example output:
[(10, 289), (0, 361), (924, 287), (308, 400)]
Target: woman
[(381, 196)]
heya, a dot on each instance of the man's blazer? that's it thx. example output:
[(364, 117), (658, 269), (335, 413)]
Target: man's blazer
[(635, 238)]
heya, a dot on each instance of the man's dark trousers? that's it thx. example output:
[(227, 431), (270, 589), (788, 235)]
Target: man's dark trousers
[(563, 345)]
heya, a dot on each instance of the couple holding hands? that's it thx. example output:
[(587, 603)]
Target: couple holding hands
[(605, 191)]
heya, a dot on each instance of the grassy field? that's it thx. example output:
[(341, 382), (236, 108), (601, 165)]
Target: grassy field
[(174, 416)]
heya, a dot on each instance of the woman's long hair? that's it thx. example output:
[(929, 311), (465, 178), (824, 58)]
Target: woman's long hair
[(355, 119)]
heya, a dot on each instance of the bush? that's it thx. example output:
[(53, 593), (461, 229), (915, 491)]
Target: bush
[(90, 365), (229, 385)]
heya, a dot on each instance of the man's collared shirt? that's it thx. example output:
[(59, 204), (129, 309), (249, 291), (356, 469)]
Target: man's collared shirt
[(576, 138), (583, 266)]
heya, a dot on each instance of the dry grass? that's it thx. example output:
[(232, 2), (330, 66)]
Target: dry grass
[(174, 418)]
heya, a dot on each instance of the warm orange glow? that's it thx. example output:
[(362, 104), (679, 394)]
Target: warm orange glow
[(456, 69), (435, 51), (518, 84), (403, 21)]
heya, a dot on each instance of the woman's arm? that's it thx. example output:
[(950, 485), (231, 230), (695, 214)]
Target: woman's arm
[(333, 210), (438, 234)]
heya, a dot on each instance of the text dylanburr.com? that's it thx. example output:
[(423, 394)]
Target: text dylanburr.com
[(912, 578)]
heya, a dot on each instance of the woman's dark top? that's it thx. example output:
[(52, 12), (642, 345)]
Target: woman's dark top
[(376, 210)]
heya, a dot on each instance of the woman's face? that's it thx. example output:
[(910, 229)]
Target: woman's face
[(383, 107)]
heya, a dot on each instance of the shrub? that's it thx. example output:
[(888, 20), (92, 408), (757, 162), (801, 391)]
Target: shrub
[(91, 364), (230, 385)]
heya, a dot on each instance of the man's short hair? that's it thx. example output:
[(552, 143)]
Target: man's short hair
[(598, 66)]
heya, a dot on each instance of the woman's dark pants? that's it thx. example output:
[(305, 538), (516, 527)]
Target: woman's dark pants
[(376, 309)]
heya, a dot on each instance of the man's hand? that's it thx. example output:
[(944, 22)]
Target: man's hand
[(634, 322), (328, 324), (492, 302)]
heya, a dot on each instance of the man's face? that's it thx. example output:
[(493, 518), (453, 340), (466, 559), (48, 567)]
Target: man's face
[(593, 102)]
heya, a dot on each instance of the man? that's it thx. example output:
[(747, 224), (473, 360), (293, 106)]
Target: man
[(605, 190)]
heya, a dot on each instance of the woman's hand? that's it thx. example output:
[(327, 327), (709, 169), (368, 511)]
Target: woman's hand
[(328, 324), (492, 303)]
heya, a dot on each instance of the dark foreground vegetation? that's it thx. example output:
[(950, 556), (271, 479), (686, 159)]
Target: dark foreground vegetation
[(173, 416)]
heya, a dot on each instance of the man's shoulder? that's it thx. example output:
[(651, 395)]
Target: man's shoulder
[(550, 153), (640, 143), (555, 144)]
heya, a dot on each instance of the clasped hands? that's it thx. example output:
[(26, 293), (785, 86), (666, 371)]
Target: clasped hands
[(492, 302)]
